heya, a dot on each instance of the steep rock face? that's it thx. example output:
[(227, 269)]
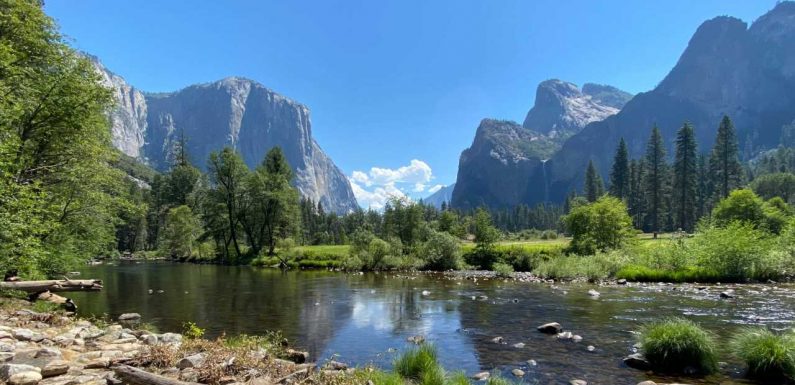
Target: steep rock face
[(128, 119), (561, 109), (495, 170), (727, 68), (233, 112)]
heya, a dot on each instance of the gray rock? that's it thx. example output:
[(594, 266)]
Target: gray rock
[(47, 353), (8, 370), (727, 294), (593, 293), (149, 339), (23, 334), (637, 361), (6, 356), (482, 376), (591, 348), (170, 338), (497, 340), (648, 382), (519, 345), (297, 356), (126, 317), (578, 382), (334, 365), (622, 281), (517, 372), (564, 336), (55, 368), (532, 363), (550, 328), (189, 375), (193, 361), (25, 378)]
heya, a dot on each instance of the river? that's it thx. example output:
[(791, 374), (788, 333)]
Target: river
[(367, 318)]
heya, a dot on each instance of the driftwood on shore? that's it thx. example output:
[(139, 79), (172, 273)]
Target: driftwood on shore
[(54, 285), (130, 375)]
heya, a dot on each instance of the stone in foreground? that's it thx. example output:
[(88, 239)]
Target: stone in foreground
[(637, 361)]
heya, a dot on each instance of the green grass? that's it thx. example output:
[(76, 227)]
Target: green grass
[(674, 344), (766, 354), (639, 273), (308, 257), (415, 363), (593, 268)]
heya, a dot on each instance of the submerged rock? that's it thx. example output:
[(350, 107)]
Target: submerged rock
[(482, 376), (550, 328), (637, 361)]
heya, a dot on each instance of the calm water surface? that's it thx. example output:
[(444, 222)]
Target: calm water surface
[(366, 318)]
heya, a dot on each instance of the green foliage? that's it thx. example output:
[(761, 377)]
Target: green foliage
[(736, 252), (594, 268), (767, 355), (672, 345), (685, 182), (370, 253), (741, 205), (594, 187), (498, 380), (485, 237), (599, 226), (724, 162), (180, 233), (780, 184), (192, 331), (620, 173), (441, 251), (655, 182), (60, 199), (413, 364), (503, 270)]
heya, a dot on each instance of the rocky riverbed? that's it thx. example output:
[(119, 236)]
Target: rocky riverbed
[(55, 349)]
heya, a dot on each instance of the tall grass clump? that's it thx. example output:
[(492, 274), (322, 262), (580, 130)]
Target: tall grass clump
[(414, 364), (768, 355), (736, 252), (498, 380), (674, 344)]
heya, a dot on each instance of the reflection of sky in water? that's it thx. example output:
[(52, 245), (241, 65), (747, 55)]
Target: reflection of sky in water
[(381, 323)]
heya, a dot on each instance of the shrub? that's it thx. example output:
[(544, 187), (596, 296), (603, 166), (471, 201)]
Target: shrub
[(503, 270), (414, 363), (741, 205), (593, 268), (599, 226), (674, 344), (777, 214), (767, 354), (497, 380), (192, 331), (736, 252), (441, 251), (368, 252)]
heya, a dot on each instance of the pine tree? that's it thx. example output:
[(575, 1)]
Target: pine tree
[(685, 181), (636, 202), (619, 175), (724, 164), (594, 187), (656, 182), (703, 191)]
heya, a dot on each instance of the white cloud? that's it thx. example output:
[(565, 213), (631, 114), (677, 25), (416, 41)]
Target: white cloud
[(436, 188), (373, 188)]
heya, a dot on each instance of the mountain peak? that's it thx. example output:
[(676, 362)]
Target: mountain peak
[(562, 109)]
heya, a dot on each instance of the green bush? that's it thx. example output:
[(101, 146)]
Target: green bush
[(736, 252), (599, 226), (414, 363), (741, 205), (593, 268), (503, 270), (441, 251), (674, 344), (368, 252), (192, 331), (768, 355)]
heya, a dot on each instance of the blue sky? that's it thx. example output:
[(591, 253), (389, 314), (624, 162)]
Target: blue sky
[(391, 82)]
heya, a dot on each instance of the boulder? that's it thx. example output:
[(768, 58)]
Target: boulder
[(727, 294), (637, 361), (170, 338), (192, 361), (55, 368), (47, 353), (550, 328), (25, 378), (497, 340), (8, 370), (517, 372), (23, 334), (149, 339), (128, 317), (622, 281)]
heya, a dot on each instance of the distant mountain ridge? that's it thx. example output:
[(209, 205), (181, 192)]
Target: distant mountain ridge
[(235, 112), (747, 73), (444, 195)]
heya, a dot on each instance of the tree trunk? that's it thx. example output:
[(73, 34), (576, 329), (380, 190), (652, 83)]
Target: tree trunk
[(54, 285), (135, 376)]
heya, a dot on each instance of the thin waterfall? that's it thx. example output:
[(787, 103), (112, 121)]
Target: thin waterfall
[(546, 181)]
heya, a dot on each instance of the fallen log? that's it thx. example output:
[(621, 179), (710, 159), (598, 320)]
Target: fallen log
[(54, 285), (130, 375)]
